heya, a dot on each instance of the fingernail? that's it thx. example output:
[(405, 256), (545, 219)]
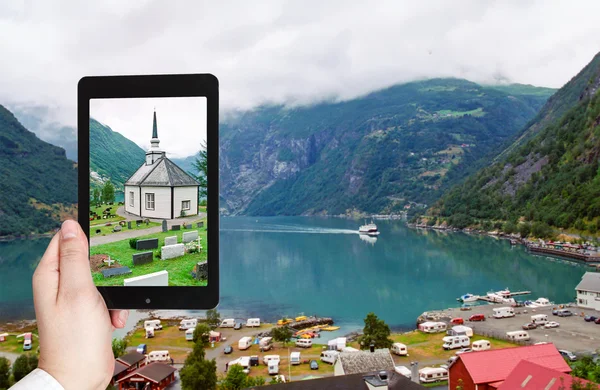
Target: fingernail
[(123, 315), (69, 229)]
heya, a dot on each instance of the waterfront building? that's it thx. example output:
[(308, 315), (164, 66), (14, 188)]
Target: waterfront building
[(531, 376), (588, 291)]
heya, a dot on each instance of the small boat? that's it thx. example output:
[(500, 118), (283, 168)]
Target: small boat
[(540, 302), (468, 298), (330, 328), (369, 229)]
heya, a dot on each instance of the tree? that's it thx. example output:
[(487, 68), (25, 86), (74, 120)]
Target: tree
[(201, 335), (524, 229), (118, 347), (24, 365), (96, 196), (213, 318), (237, 379), (197, 372), (4, 373), (376, 332), (275, 380), (282, 334), (108, 192), (201, 166)]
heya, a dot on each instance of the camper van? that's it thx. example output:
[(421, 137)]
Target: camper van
[(518, 335), (273, 367), (304, 343), (244, 343), (454, 342), (504, 312), (252, 322), (461, 330), (404, 371), (27, 344), (295, 358), (153, 323), (432, 374), (188, 324), (539, 319), (480, 345), (399, 349), (189, 334), (227, 323), (329, 356), (149, 332), (270, 358), (432, 327), (159, 356), (265, 343)]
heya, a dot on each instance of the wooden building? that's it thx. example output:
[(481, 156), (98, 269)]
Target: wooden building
[(153, 376)]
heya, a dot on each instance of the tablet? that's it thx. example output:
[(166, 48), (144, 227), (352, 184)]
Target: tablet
[(148, 188)]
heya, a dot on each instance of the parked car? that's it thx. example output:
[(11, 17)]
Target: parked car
[(554, 312), (564, 313), (227, 350), (567, 355), (253, 360), (590, 318), (597, 321), (463, 350), (457, 321), (237, 326), (530, 325), (314, 365), (551, 324), (477, 317)]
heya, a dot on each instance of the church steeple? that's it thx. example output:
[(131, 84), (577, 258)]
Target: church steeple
[(154, 153), (154, 127)]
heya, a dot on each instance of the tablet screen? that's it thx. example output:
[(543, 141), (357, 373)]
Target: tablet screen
[(148, 216)]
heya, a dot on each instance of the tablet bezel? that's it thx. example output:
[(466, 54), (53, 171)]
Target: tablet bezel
[(156, 86)]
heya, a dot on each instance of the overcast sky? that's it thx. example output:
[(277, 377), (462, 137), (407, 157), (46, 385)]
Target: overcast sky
[(289, 51), (181, 122)]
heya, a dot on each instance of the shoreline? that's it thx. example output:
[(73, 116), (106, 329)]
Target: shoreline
[(35, 236)]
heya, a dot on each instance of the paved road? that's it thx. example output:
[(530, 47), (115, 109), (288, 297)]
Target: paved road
[(10, 356)]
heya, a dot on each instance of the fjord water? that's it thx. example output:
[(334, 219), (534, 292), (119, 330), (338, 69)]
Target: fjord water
[(276, 266)]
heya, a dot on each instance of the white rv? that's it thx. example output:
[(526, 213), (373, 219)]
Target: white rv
[(404, 371), (149, 332), (461, 330), (399, 349), (433, 374), (270, 358), (252, 322), (244, 362), (504, 312), (153, 323), (188, 324), (265, 343), (159, 356), (539, 319), (453, 342), (518, 335), (304, 343), (433, 327), (273, 367), (244, 343), (189, 334), (329, 356), (227, 323), (295, 358), (481, 345)]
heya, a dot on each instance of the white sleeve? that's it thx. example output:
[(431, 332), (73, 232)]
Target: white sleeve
[(37, 379)]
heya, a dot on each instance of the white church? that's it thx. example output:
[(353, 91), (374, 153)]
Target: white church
[(159, 188)]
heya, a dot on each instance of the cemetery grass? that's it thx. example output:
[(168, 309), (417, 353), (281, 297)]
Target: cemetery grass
[(179, 269), (105, 230), (99, 210)]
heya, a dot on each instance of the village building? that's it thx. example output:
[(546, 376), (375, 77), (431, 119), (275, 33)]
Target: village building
[(487, 370), (588, 291), (359, 362), (531, 376), (159, 188), (154, 376), (126, 364)]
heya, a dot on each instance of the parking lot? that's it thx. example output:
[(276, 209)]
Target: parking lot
[(573, 334)]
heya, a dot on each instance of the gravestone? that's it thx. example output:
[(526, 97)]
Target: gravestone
[(190, 236), (107, 273), (164, 226), (171, 240), (149, 243), (117, 228), (175, 227), (128, 224), (172, 251), (122, 223), (160, 278), (142, 258), (200, 224), (201, 270)]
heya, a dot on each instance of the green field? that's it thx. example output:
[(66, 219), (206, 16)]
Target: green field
[(478, 112), (99, 210), (15, 345)]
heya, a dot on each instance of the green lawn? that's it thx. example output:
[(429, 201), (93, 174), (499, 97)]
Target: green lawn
[(179, 269), (104, 230), (15, 345), (99, 210), (478, 112)]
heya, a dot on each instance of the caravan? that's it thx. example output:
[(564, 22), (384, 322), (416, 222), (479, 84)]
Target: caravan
[(539, 319), (453, 342), (253, 322), (432, 327), (227, 323), (188, 324), (265, 343), (159, 356), (273, 367), (149, 332), (269, 358), (480, 345), (518, 335), (504, 312), (304, 343), (461, 330), (329, 356), (295, 358), (399, 349), (189, 334), (153, 323), (433, 374), (244, 343), (337, 344)]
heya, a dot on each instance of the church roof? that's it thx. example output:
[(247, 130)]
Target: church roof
[(163, 173)]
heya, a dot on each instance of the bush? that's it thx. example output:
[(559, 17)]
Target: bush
[(133, 243), (157, 254)]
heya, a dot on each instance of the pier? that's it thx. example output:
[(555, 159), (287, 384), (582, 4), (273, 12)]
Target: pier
[(513, 294), (588, 258), (310, 322)]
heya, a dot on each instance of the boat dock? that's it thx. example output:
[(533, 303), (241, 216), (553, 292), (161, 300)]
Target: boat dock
[(310, 322), (513, 294), (587, 258)]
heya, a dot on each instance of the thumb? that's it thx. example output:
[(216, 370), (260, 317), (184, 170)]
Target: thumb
[(74, 265)]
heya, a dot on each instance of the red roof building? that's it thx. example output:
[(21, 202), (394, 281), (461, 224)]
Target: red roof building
[(153, 376), (532, 376), (486, 370)]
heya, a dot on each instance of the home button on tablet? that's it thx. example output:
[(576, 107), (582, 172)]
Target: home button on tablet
[(148, 300)]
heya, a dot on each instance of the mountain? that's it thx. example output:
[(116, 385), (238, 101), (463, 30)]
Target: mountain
[(34, 119), (375, 154), (39, 183), (187, 163), (112, 156), (550, 175)]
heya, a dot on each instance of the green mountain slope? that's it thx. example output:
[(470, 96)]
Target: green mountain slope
[(112, 155), (38, 182), (553, 178)]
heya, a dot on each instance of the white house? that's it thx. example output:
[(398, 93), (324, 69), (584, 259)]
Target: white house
[(357, 362), (159, 188), (588, 291)]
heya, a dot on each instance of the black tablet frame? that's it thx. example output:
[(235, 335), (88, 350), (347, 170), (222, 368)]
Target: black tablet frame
[(156, 86)]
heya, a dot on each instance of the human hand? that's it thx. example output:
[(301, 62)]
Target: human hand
[(75, 327)]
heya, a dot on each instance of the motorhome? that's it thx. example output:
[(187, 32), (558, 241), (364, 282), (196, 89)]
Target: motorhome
[(461, 330), (329, 356), (399, 349), (480, 345), (266, 343), (539, 319), (149, 332), (269, 358), (433, 327), (188, 324), (227, 323), (404, 371), (304, 343), (244, 343), (153, 323), (432, 374), (337, 344), (159, 356), (504, 312), (273, 367), (189, 334), (295, 358), (244, 362), (518, 335), (454, 342), (253, 322)]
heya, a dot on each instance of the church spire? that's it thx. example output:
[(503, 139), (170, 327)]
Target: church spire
[(154, 127)]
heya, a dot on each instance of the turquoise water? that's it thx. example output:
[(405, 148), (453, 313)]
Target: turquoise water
[(276, 266)]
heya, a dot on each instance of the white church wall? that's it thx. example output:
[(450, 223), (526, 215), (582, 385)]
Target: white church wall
[(162, 202), (135, 209), (186, 193)]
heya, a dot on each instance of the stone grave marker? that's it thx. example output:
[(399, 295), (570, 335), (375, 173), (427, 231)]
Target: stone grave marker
[(128, 224), (117, 228), (164, 226), (171, 240), (201, 270), (149, 243), (160, 278), (142, 258), (107, 273), (200, 224), (109, 261), (172, 251), (190, 236), (175, 227)]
